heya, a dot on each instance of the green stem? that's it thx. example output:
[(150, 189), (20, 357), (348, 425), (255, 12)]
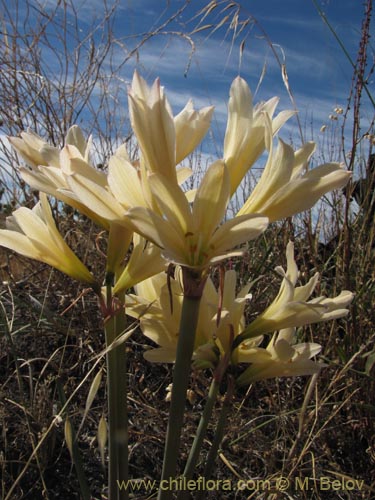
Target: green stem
[(117, 403), (185, 347), (199, 437), (219, 433)]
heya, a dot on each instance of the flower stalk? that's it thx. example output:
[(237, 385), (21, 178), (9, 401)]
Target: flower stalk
[(219, 434), (200, 434), (115, 324), (193, 289)]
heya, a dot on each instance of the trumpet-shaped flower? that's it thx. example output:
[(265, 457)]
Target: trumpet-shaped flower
[(145, 261), (281, 359), (30, 146), (291, 308), (125, 186), (33, 233), (35, 151), (49, 168), (158, 305), (191, 236), (94, 191), (164, 141), (244, 138), (284, 189)]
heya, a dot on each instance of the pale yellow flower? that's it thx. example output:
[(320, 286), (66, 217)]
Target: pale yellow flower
[(190, 128), (285, 188), (281, 359), (49, 168), (33, 233), (159, 319), (191, 236), (35, 151), (92, 188), (145, 261), (30, 147), (291, 308), (158, 305), (244, 138), (164, 141)]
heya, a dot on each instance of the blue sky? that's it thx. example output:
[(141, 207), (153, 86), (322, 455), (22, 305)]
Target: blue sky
[(288, 31), (319, 73)]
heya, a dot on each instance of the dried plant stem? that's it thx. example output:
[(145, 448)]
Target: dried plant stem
[(75, 451)]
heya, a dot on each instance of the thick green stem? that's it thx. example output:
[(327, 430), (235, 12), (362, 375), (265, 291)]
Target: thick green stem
[(117, 404), (185, 347), (199, 437)]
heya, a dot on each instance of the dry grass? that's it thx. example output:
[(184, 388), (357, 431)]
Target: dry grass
[(272, 432)]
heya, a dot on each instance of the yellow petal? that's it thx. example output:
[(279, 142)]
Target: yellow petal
[(157, 230), (302, 194), (31, 225), (119, 240), (183, 174), (29, 146), (283, 350), (153, 124), (276, 175), (124, 183), (18, 243), (141, 265), (301, 158), (160, 355), (96, 198), (76, 138), (71, 162), (191, 126), (211, 199), (172, 202), (308, 349), (238, 230)]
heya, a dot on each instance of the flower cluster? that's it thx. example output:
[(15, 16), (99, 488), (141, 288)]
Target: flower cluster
[(222, 330), (143, 202)]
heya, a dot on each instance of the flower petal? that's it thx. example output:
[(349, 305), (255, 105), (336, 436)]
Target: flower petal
[(276, 175), (144, 262), (154, 228), (211, 199), (238, 230), (96, 198), (191, 126), (125, 183), (172, 202), (302, 194), (19, 243), (152, 122)]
